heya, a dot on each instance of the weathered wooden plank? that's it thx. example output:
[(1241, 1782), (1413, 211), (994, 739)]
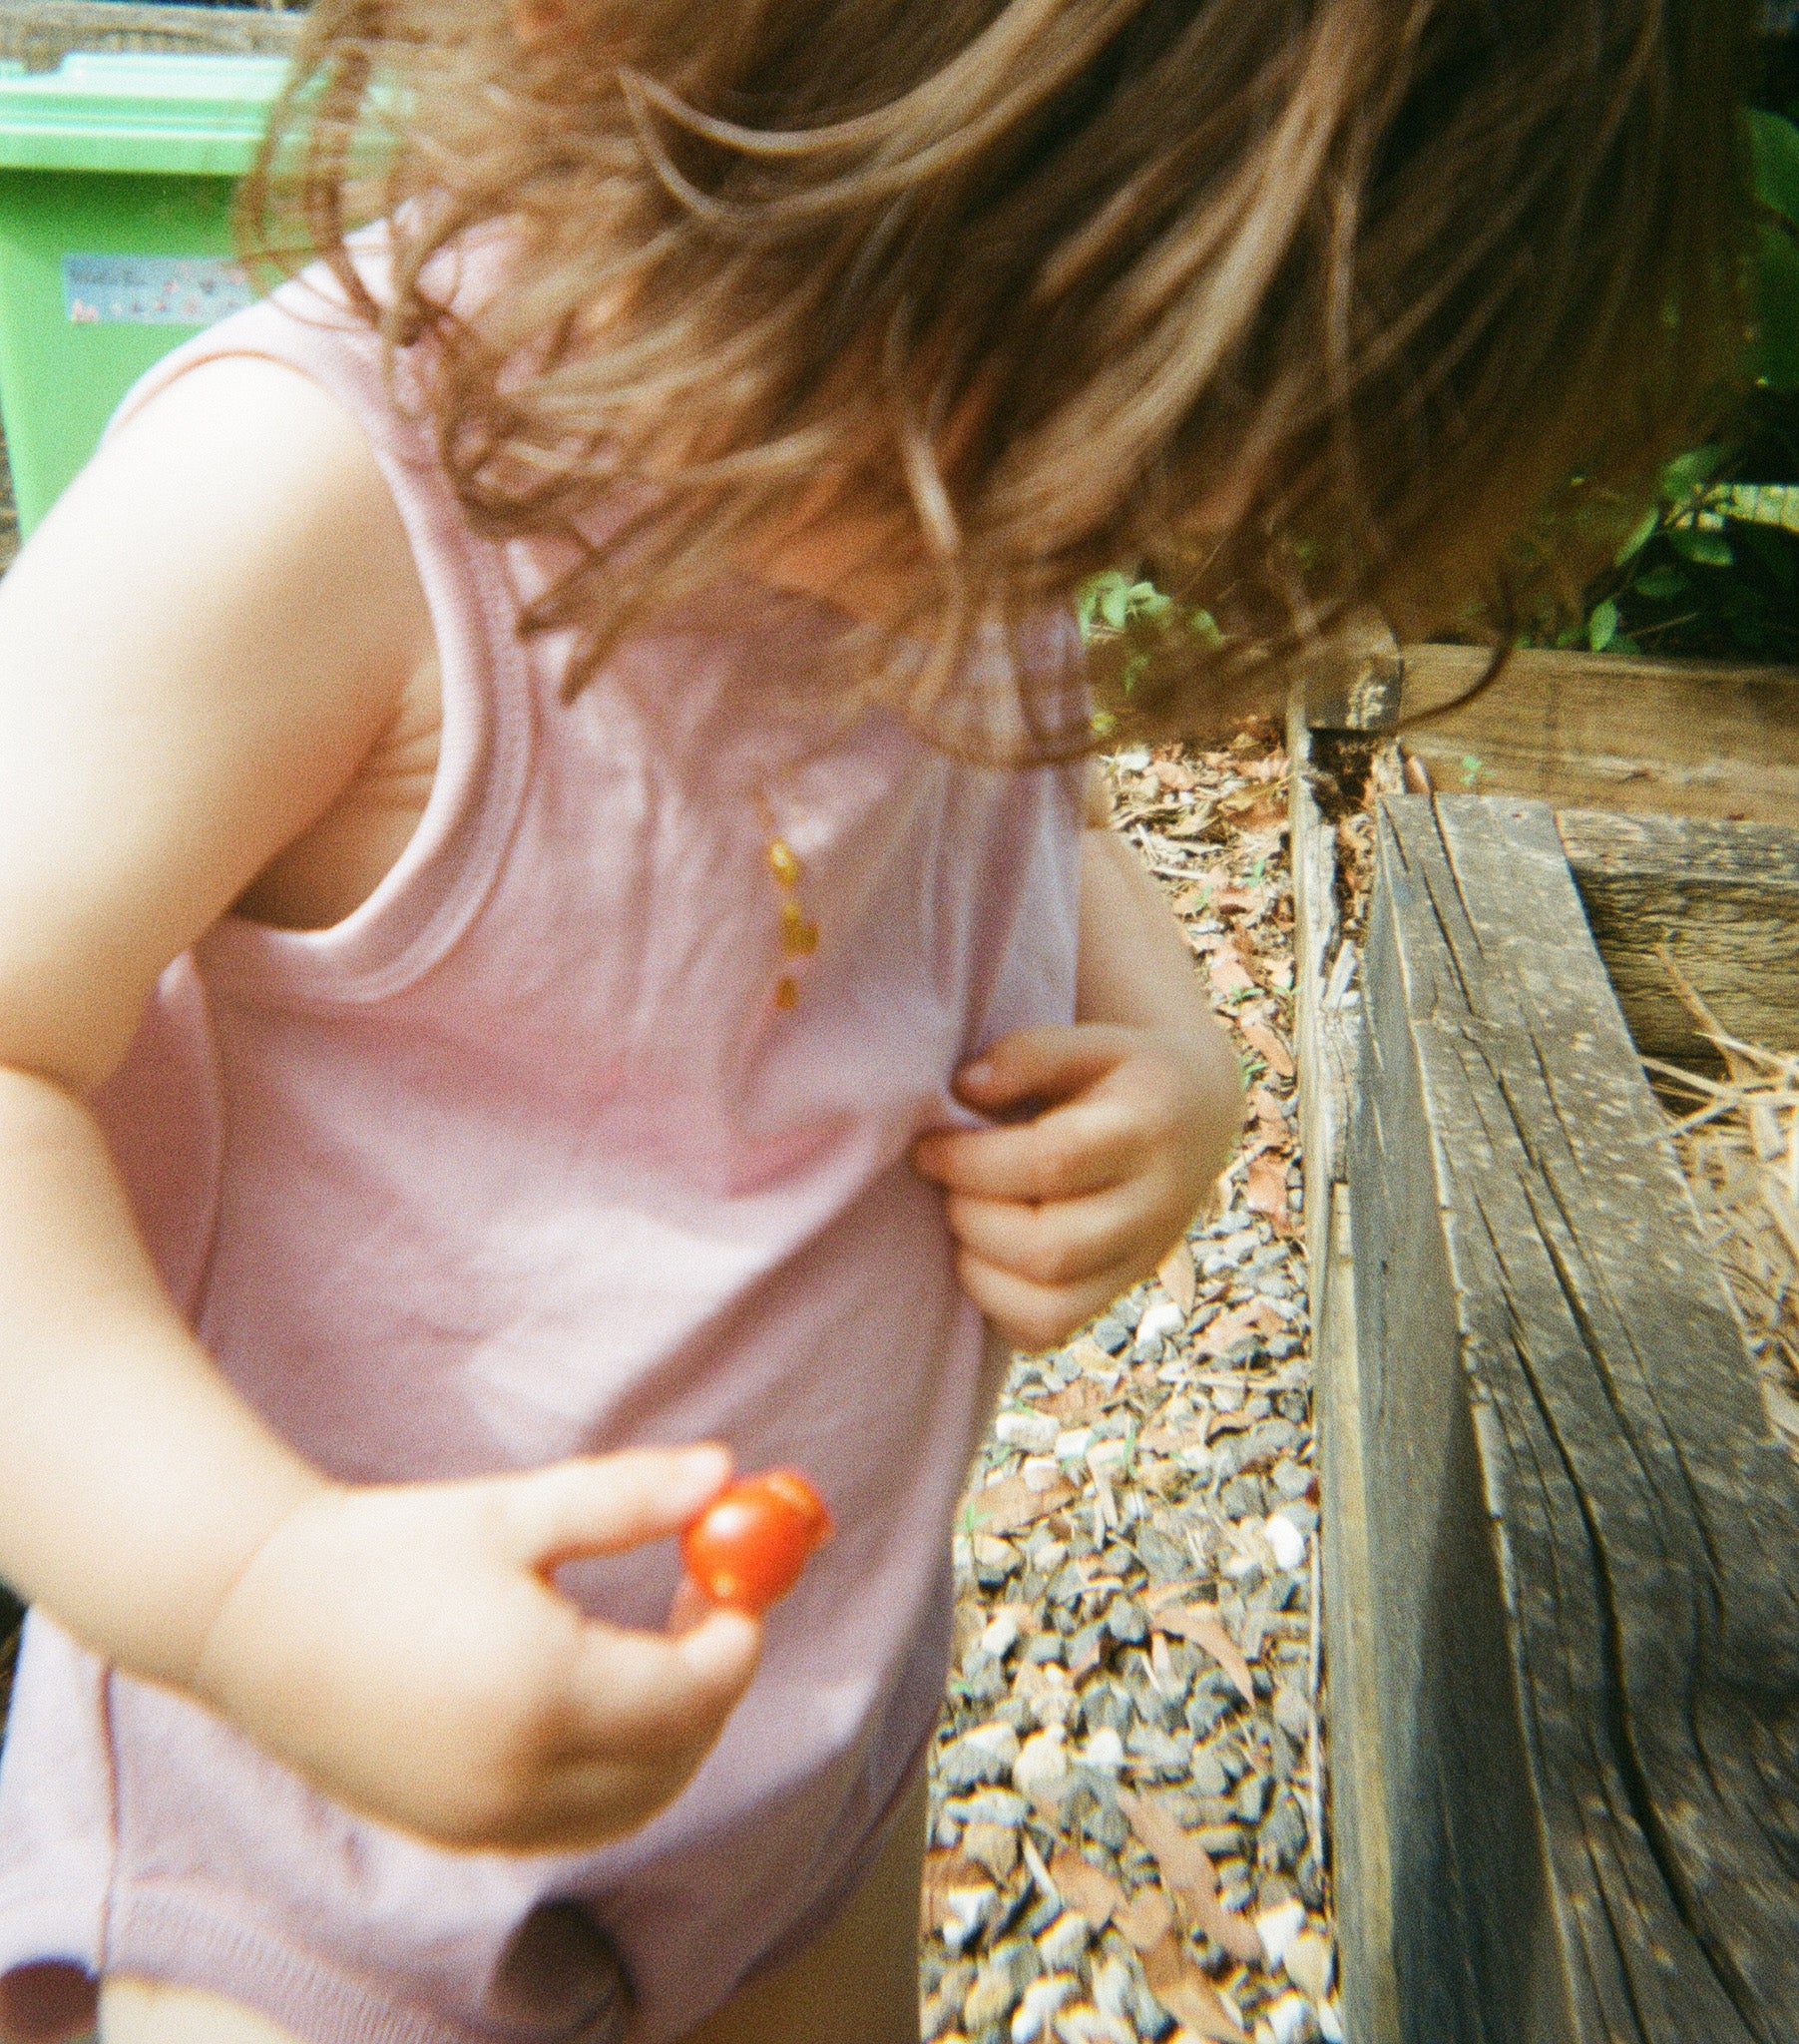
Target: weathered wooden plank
[(1324, 995), (1361, 1853), (1722, 897), (1603, 730), (1586, 1628), (1355, 681), (1326, 1019)]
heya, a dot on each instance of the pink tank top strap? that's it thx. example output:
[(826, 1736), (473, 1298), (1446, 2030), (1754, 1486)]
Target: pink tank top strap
[(424, 902)]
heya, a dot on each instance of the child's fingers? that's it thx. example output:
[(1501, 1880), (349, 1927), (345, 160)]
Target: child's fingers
[(1071, 1151), (656, 1695), (1067, 1241), (602, 1503), (1047, 1063), (690, 1604), (1032, 1316)]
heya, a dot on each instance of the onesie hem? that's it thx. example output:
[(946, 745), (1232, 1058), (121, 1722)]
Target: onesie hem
[(38, 1929), (186, 1940)]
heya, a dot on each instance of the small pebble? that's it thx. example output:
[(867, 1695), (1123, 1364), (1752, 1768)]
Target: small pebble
[(1033, 1432), (1287, 2017), (966, 1911), (1210, 1777), (1127, 1621), (1040, 1771), (1291, 1712), (1105, 1749), (989, 1806), (1041, 2001), (999, 1635), (1277, 1929), (1285, 1539), (1290, 1479), (1061, 1944), (962, 1767), (1284, 1834), (1309, 1963), (1163, 1317), (994, 1846)]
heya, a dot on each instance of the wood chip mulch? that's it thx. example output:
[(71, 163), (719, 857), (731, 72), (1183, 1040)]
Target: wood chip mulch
[(1126, 1795)]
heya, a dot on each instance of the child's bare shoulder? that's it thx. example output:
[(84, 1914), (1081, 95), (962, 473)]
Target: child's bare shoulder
[(201, 647)]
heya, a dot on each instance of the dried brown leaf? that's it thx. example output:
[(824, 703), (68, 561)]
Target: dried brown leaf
[(1200, 1626), (1189, 1877), (1265, 1190), (1085, 1887), (1010, 1504), (1147, 1920), (1230, 974), (945, 1871), (1224, 1327), (1274, 1053), (1180, 1279), (1187, 1995)]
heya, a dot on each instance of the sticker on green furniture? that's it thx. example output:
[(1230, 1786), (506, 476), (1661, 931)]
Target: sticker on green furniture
[(152, 290)]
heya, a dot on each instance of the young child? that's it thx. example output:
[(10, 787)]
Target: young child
[(547, 939)]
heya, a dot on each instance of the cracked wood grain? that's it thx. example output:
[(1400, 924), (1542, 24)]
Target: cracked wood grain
[(1583, 1537)]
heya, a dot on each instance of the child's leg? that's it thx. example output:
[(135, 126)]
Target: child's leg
[(134, 2011), (856, 1984), (859, 1982)]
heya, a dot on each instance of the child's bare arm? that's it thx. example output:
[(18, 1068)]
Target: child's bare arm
[(179, 697), (197, 652), (1132, 1115)]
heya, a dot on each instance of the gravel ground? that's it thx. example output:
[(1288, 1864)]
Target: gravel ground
[(1126, 1792)]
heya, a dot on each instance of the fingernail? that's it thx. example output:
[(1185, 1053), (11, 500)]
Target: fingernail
[(702, 1469)]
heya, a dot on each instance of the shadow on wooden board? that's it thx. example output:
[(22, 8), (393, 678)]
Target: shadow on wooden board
[(1583, 1624)]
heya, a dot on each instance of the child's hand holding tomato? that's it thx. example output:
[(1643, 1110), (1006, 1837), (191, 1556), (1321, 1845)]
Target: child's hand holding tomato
[(404, 1648), (748, 1546)]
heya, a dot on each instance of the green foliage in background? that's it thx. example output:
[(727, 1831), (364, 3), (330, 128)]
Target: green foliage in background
[(1126, 608), (1713, 568)]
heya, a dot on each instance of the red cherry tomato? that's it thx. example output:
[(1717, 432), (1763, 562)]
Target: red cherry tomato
[(749, 1544)]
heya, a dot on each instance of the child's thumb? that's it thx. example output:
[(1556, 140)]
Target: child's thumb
[(602, 1504)]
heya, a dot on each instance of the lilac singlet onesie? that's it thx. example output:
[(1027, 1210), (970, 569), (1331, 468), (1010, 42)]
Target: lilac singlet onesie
[(523, 1160)]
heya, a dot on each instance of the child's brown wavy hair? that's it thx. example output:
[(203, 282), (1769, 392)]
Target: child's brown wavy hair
[(1301, 303)]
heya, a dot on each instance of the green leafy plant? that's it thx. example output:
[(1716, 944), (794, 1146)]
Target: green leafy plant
[(1116, 606)]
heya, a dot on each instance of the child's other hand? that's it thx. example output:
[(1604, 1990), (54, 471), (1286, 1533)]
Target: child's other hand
[(403, 1647), (1127, 1131)]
